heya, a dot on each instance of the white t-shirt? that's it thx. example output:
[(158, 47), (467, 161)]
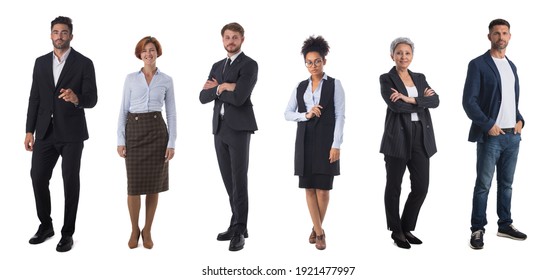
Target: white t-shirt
[(507, 113)]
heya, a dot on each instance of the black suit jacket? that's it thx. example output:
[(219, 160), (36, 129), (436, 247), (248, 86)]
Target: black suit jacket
[(68, 120), (396, 140), (237, 104)]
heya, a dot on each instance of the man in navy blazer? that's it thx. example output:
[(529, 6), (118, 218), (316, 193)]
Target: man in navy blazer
[(63, 85), (229, 85), (490, 100)]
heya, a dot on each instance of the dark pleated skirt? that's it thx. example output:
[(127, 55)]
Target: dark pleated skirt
[(311, 179), (146, 142)]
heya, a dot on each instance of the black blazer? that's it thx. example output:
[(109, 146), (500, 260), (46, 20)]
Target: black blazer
[(68, 120), (237, 104), (396, 140)]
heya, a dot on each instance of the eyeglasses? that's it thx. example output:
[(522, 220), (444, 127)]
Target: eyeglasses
[(315, 63)]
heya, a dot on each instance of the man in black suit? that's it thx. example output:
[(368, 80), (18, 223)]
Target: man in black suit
[(63, 85), (229, 85)]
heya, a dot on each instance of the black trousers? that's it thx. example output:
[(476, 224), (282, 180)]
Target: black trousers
[(45, 155), (418, 166), (232, 149)]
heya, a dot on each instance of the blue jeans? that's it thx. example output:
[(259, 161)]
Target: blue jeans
[(499, 152)]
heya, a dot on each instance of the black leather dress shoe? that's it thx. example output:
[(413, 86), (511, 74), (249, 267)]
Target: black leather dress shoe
[(65, 244), (400, 241), (411, 238), (237, 242), (41, 236), (228, 234)]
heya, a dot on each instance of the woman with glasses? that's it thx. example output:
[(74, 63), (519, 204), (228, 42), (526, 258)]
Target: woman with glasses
[(408, 140), (317, 105)]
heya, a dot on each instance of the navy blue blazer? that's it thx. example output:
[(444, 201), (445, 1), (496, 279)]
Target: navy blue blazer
[(237, 104), (68, 120), (482, 96), (397, 137)]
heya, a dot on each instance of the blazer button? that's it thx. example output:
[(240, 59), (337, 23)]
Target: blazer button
[(136, 118), (155, 116)]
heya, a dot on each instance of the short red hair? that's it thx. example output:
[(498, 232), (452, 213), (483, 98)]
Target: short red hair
[(143, 42)]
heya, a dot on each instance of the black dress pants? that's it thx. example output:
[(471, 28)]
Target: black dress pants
[(45, 155), (418, 166), (232, 149)]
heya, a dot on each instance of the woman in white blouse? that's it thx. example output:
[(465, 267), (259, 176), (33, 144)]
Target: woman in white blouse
[(317, 105), (144, 139)]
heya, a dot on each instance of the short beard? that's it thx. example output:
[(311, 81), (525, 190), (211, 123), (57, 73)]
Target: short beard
[(64, 46), (235, 50)]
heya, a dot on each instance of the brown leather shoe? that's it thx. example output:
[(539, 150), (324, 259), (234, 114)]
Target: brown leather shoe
[(320, 243), (312, 236), (147, 241), (134, 239)]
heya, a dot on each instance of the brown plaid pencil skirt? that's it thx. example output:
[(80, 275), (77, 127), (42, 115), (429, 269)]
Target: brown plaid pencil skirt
[(146, 142)]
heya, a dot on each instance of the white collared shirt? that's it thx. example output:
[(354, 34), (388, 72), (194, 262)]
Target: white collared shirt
[(58, 65)]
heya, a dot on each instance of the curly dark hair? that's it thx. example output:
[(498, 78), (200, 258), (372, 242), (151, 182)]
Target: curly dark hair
[(315, 44)]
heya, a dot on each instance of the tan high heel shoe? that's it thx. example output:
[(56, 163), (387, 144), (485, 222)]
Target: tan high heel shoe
[(147, 241), (320, 243), (134, 240)]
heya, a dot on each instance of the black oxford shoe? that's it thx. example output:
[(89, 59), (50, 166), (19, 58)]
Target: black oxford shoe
[(228, 234), (65, 244), (41, 236), (237, 242)]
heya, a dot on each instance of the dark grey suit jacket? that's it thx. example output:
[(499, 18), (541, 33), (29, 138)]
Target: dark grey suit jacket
[(237, 104), (396, 140), (68, 120)]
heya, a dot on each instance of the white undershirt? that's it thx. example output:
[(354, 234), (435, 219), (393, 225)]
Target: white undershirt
[(507, 112), (413, 92)]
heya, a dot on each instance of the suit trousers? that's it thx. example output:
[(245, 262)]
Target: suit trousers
[(45, 155), (418, 166), (232, 149)]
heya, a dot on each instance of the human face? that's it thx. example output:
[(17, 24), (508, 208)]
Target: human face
[(499, 35), (61, 36), (315, 63), (149, 54), (402, 56), (232, 41)]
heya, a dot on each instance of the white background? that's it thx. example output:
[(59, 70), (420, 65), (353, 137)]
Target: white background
[(447, 35)]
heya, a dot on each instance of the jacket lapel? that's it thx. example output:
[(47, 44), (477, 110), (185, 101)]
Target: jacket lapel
[(418, 83), (397, 81), (67, 67), (492, 66)]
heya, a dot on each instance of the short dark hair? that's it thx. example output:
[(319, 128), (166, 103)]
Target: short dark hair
[(143, 42), (315, 44), (499, 21), (234, 26), (62, 20)]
